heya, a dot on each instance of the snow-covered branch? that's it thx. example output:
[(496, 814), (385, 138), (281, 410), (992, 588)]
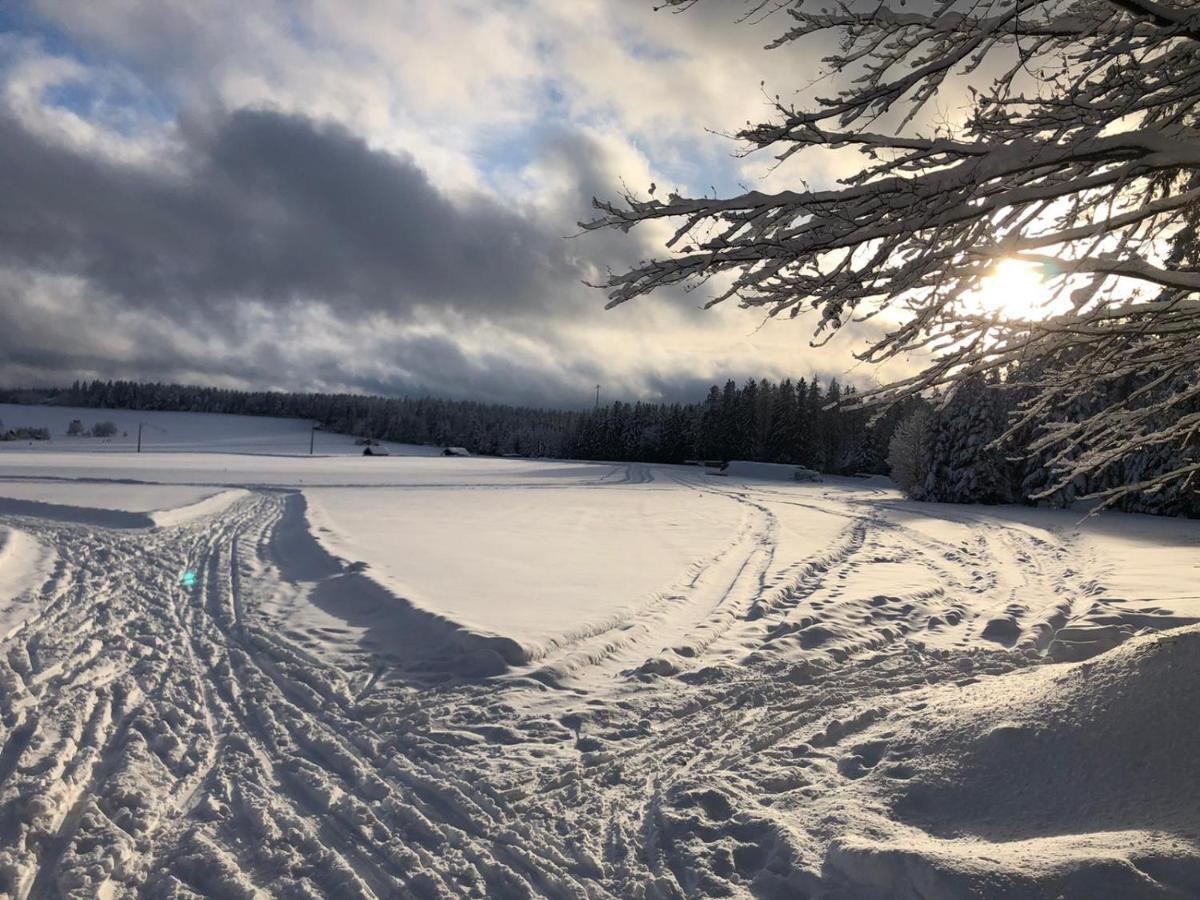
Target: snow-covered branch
[(1082, 156)]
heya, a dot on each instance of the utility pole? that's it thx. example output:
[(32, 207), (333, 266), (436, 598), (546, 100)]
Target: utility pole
[(141, 425), (597, 398), (312, 439)]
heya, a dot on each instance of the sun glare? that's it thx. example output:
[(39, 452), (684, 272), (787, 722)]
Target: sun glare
[(1014, 289)]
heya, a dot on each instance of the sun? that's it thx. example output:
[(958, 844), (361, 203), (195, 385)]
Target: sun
[(1014, 289)]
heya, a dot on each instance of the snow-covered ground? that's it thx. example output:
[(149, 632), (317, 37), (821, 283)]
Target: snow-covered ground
[(164, 432), (112, 504), (25, 564), (626, 548), (239, 675)]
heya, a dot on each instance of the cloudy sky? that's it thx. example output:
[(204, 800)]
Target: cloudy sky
[(377, 196)]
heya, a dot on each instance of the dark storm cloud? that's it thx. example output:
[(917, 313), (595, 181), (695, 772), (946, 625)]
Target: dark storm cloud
[(101, 339), (213, 263), (269, 207)]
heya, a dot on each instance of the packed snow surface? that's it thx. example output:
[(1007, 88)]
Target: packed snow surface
[(240, 675), (601, 553)]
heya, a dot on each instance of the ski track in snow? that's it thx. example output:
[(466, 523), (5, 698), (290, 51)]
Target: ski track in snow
[(161, 737)]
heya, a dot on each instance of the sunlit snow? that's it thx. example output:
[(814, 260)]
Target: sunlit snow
[(258, 670)]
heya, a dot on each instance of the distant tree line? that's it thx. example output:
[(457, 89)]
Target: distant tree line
[(792, 421)]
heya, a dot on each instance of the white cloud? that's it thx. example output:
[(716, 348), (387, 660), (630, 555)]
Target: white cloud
[(539, 103)]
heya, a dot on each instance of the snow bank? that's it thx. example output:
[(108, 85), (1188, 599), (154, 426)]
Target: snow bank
[(208, 506), (336, 603), (110, 505), (79, 515), (24, 564), (102, 494), (1076, 780)]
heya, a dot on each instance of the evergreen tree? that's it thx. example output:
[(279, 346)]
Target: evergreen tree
[(782, 440), (963, 466)]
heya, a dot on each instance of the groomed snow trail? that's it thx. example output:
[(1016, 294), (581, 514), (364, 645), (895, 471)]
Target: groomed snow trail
[(163, 736)]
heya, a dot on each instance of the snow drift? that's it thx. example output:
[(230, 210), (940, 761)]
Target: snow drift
[(428, 645), (1077, 780)]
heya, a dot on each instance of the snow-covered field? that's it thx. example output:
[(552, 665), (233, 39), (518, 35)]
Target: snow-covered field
[(244, 673), (175, 432)]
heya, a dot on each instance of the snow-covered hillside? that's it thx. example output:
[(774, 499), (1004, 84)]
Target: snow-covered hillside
[(236, 675), (180, 431)]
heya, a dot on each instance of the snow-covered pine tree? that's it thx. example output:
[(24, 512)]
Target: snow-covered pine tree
[(781, 440), (908, 451), (962, 464)]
